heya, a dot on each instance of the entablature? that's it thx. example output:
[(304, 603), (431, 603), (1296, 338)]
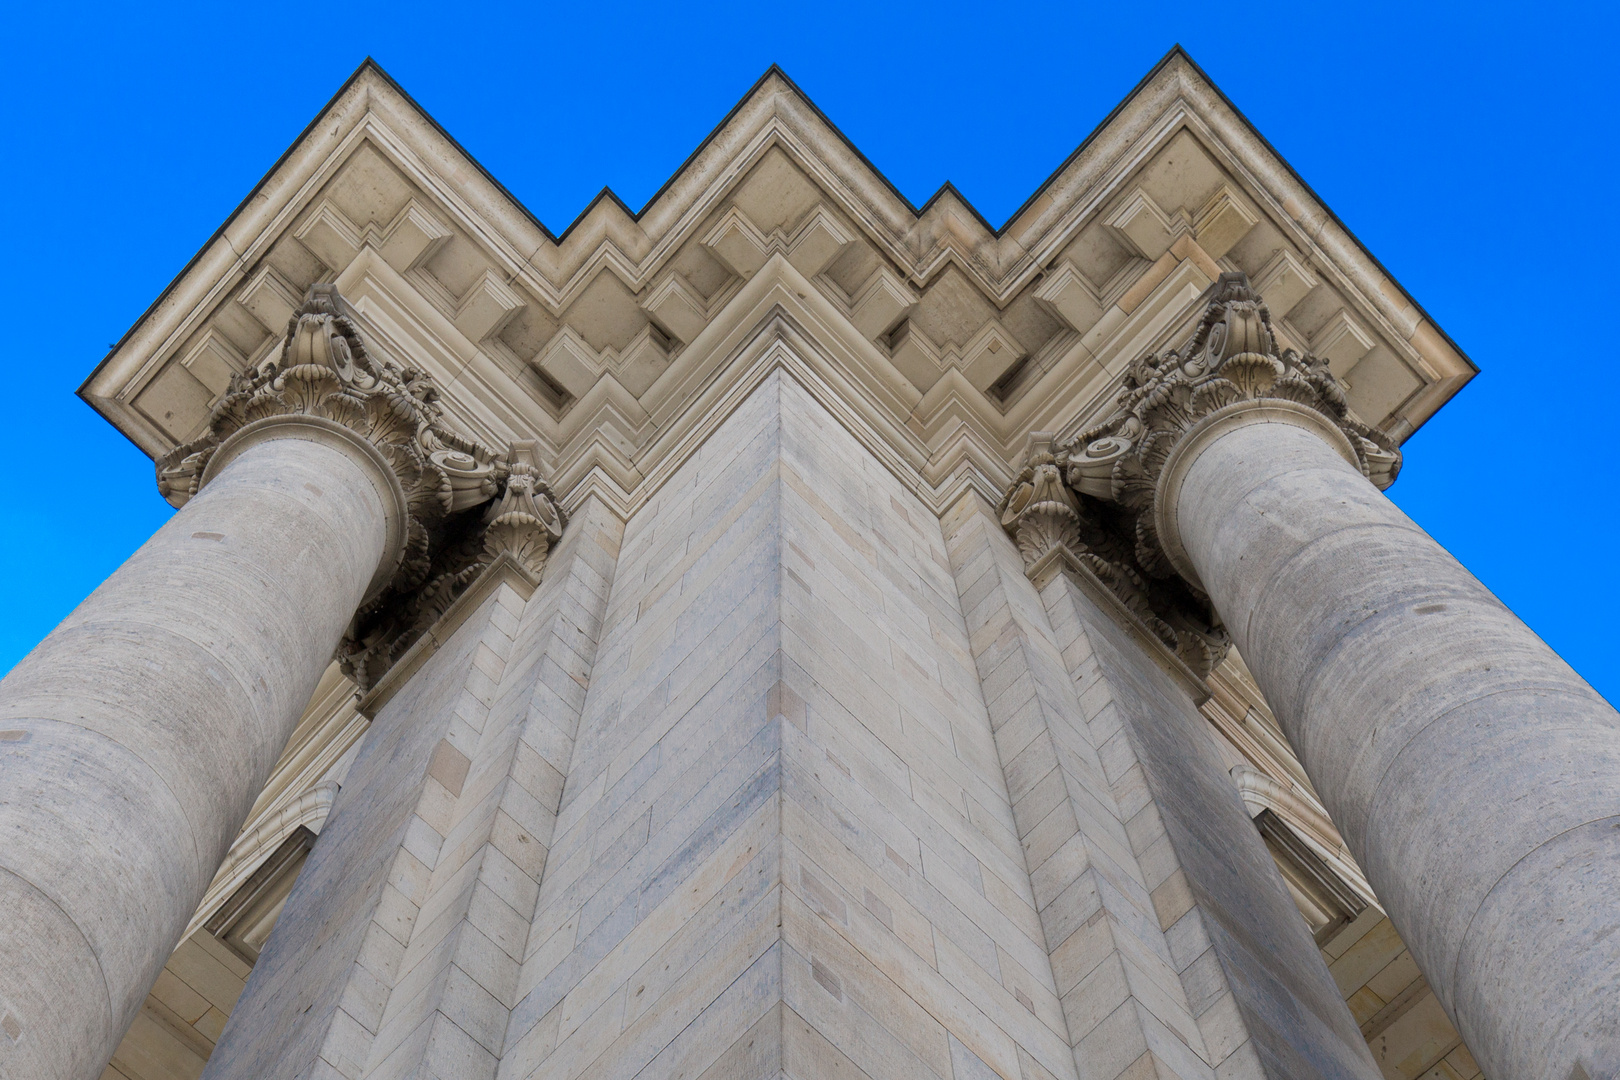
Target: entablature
[(602, 344)]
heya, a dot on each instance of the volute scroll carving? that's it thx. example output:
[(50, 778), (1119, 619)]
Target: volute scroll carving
[(464, 503), (1096, 495)]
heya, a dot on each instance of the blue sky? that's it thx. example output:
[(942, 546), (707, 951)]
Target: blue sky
[(1470, 147)]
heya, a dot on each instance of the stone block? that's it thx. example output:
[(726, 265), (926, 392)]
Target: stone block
[(1284, 282), (1071, 297), (412, 238), (881, 302), (330, 236), (1142, 224), (676, 307), (1223, 221)]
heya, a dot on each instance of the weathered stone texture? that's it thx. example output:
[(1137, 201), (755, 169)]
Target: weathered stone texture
[(1264, 999), (1410, 692), (785, 841), (448, 812), (447, 1014), (1126, 1009), (665, 842), (113, 730), (317, 994), (894, 797), (1173, 940)]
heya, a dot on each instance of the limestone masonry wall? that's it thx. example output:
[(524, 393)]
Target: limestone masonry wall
[(725, 799), (1247, 960), (785, 842), (414, 912)]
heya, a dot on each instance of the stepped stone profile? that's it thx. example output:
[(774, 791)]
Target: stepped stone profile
[(790, 633)]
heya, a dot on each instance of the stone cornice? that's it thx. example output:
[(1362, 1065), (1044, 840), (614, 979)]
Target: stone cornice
[(606, 426)]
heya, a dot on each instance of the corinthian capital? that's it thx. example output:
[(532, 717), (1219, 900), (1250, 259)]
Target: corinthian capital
[(463, 503), (1111, 474), (1231, 359)]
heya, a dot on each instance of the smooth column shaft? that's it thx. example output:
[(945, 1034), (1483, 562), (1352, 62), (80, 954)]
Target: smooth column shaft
[(1475, 776), (134, 738)]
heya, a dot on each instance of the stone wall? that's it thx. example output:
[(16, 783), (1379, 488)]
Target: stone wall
[(317, 993), (784, 776), (1253, 976), (407, 927), (785, 841)]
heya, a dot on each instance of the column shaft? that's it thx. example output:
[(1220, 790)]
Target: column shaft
[(135, 737), (1475, 776)]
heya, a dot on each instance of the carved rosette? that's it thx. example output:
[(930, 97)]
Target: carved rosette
[(448, 479), (1111, 472)]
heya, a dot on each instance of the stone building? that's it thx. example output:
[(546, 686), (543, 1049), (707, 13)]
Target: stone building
[(787, 632)]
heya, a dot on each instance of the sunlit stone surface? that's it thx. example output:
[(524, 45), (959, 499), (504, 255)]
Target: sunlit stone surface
[(789, 633)]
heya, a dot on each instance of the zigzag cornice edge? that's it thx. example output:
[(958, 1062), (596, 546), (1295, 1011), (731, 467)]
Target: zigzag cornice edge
[(945, 232)]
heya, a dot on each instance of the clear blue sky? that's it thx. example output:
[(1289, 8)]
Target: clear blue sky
[(1471, 147)]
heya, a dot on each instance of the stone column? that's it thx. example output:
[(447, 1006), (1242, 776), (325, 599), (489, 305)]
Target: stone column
[(1475, 776), (135, 737)]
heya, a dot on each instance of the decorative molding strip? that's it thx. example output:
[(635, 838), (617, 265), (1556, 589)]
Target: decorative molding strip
[(308, 810), (1262, 792)]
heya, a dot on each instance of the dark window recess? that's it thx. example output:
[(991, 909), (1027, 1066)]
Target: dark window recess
[(243, 923), (1322, 896)]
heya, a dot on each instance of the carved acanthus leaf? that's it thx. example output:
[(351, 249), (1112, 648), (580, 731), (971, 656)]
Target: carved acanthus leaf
[(324, 370), (1231, 357), (1112, 471), (1040, 511), (521, 522), (525, 521)]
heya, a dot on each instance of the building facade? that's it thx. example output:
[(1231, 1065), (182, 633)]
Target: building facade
[(790, 633)]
